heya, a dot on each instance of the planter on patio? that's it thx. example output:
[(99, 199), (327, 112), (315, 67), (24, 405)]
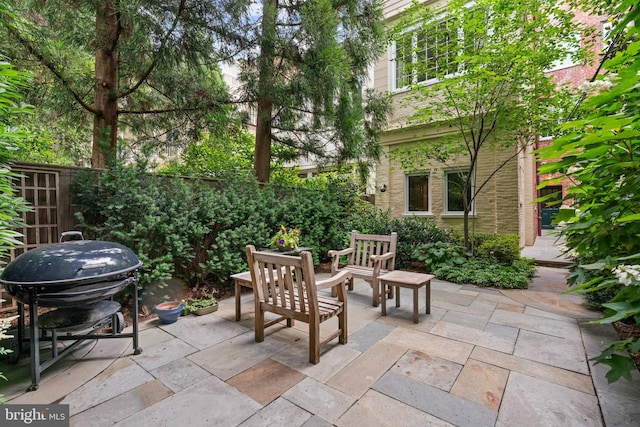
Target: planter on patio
[(168, 312)]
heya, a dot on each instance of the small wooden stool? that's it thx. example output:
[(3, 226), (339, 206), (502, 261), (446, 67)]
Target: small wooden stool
[(241, 279), (406, 279)]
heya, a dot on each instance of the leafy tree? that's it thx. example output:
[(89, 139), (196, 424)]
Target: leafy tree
[(490, 87), (215, 155), (12, 82), (306, 75), (152, 66), (600, 153)]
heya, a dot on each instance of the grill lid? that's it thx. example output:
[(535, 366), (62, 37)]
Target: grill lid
[(69, 262)]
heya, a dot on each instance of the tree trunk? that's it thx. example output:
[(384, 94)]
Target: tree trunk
[(105, 122), (262, 156)]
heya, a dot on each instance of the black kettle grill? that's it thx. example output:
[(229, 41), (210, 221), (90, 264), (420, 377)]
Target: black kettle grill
[(78, 279)]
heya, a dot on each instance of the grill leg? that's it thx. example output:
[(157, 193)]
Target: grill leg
[(34, 340), (136, 348)]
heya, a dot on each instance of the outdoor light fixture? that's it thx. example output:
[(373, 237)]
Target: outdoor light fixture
[(383, 188)]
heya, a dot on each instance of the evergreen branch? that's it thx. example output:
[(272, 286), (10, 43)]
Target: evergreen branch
[(157, 57), (49, 65)]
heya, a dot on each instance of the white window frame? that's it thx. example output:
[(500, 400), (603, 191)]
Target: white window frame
[(446, 192), (429, 176), (393, 77)]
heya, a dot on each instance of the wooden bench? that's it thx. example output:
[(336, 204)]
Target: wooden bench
[(369, 256)]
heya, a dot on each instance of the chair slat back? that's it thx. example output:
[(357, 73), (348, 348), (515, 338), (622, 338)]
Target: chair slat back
[(366, 245), (283, 281)]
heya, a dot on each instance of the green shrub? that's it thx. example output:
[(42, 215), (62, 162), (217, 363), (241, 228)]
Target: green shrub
[(412, 231), (486, 272), (184, 229), (439, 254), (505, 248)]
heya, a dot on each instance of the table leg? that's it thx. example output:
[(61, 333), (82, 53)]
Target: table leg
[(236, 285), (397, 296), (384, 299), (428, 288), (415, 304)]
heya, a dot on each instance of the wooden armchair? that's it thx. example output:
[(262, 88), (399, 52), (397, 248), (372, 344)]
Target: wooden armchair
[(286, 285), (369, 256)]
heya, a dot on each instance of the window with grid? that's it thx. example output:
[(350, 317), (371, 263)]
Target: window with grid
[(420, 56)]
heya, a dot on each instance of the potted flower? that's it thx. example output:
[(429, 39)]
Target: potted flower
[(201, 300), (286, 240)]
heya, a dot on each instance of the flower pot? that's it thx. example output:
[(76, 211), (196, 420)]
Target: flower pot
[(205, 310), (168, 312), (285, 248)]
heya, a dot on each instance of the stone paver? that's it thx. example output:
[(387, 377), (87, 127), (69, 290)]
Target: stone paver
[(561, 352), (122, 376), (481, 383), (280, 412), (333, 357), (436, 402), (501, 342), (206, 403), (162, 353), (204, 331), (543, 325), (356, 378), (122, 406), (377, 409), (231, 357), (430, 370), (433, 345), (542, 371), (266, 381), (179, 374), (363, 339), (320, 399), (528, 399)]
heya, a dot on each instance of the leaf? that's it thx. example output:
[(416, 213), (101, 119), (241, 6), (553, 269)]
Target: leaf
[(621, 367), (634, 217)]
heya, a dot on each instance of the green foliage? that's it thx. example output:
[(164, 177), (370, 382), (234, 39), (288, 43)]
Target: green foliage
[(12, 82), (214, 155), (600, 154), (167, 77), (485, 272), (505, 248), (439, 254), (412, 231), (186, 229)]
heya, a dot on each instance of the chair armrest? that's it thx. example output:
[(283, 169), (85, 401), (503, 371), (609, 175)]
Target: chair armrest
[(378, 259), (335, 258), (335, 253), (333, 281), (385, 256)]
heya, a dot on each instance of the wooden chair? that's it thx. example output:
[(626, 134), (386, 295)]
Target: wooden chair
[(286, 285), (369, 257)]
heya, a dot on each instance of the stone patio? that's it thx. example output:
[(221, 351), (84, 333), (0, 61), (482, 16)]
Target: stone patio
[(483, 357)]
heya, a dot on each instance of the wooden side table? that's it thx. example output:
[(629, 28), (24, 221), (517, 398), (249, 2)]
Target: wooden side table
[(241, 279), (406, 279)]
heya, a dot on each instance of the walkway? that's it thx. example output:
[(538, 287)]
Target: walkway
[(483, 357)]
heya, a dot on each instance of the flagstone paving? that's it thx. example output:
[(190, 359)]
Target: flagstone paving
[(483, 357)]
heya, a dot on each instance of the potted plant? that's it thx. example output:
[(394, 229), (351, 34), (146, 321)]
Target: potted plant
[(169, 311), (201, 300), (286, 240)]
